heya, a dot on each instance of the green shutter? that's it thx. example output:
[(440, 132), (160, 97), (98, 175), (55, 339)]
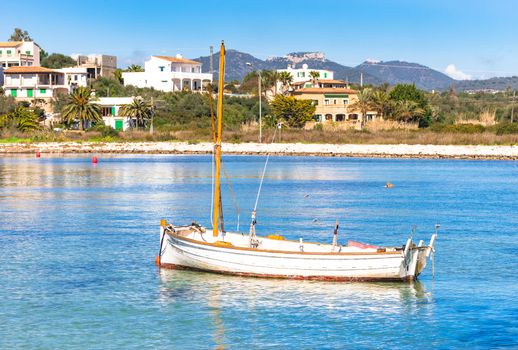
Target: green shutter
[(14, 93), (336, 96), (43, 91), (113, 110), (30, 93), (27, 52), (325, 75), (119, 124), (0, 52)]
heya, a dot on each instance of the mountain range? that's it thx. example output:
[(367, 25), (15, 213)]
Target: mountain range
[(373, 72)]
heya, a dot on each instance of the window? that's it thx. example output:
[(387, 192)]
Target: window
[(9, 52), (28, 53), (162, 68), (30, 93), (334, 102), (303, 74), (346, 102), (107, 111), (164, 81), (325, 75), (0, 52), (315, 102), (326, 101), (14, 93), (43, 91)]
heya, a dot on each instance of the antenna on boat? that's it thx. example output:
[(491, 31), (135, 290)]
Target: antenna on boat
[(335, 234)]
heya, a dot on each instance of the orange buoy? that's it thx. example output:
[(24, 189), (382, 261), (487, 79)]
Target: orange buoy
[(157, 260), (95, 160), (38, 154)]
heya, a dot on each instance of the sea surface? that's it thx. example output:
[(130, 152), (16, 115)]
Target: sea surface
[(78, 243)]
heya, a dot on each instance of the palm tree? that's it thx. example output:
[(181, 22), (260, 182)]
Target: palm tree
[(138, 110), (381, 102), (363, 104), (117, 74), (269, 80), (314, 76), (286, 79), (134, 68), (23, 119), (408, 111), (79, 108)]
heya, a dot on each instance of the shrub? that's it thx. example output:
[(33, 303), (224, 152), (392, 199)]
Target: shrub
[(105, 130), (506, 128), (459, 128)]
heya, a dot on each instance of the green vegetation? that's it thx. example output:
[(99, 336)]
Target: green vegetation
[(79, 109), (139, 110), (20, 35), (57, 61), (293, 112)]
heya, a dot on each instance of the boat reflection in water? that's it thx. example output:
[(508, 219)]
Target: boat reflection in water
[(257, 297)]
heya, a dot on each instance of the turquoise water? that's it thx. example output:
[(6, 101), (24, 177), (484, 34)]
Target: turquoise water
[(78, 241)]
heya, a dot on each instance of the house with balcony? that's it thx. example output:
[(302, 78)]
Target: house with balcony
[(27, 83), (19, 53), (333, 104), (75, 77), (169, 74)]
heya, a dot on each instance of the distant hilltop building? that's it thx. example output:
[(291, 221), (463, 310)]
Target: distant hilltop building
[(303, 73), (168, 74), (97, 65), (19, 53)]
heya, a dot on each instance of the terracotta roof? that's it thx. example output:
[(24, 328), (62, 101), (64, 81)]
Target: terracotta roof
[(300, 82), (325, 91), (29, 69), (10, 43), (177, 60), (331, 81)]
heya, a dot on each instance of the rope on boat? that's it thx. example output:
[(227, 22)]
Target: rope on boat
[(264, 172)]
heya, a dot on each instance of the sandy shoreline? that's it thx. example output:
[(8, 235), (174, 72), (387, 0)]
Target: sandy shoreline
[(293, 149)]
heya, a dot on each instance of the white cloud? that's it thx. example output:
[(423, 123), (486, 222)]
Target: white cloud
[(455, 73)]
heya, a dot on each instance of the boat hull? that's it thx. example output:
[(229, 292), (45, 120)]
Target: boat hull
[(183, 253)]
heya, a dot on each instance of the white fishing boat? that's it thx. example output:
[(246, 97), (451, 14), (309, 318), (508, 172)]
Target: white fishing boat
[(246, 254)]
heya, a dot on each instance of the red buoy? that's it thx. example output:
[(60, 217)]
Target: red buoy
[(94, 160), (38, 154)]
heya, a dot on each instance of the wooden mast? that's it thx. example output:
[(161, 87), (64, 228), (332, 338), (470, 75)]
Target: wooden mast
[(217, 145)]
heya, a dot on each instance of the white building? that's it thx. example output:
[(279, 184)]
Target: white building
[(19, 53), (303, 74), (27, 83), (110, 111), (169, 74), (75, 76)]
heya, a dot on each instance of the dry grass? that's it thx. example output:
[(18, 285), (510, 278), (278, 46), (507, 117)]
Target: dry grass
[(250, 134), (486, 118)]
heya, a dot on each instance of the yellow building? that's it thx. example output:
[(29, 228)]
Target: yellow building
[(332, 99)]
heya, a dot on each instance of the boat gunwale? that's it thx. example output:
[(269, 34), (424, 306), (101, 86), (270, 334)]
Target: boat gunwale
[(171, 266), (279, 251)]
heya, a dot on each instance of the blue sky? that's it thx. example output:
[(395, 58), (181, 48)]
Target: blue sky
[(479, 38)]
